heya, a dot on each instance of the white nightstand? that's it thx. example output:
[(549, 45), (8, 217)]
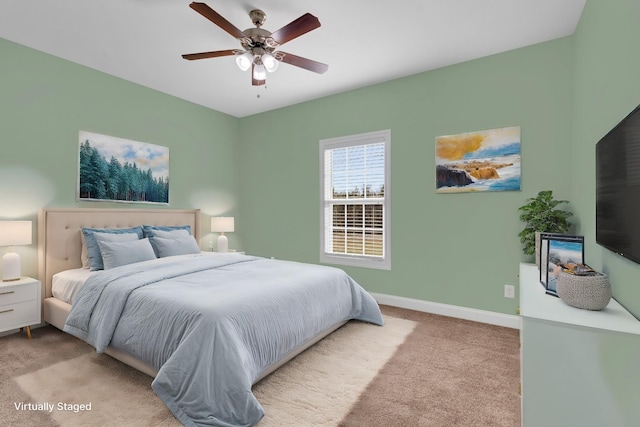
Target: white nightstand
[(19, 304)]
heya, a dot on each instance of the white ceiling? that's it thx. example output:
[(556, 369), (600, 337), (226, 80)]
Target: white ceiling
[(364, 42)]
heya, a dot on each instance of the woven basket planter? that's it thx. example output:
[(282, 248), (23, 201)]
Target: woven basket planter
[(586, 292)]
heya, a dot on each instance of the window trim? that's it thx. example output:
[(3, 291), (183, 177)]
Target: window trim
[(381, 263)]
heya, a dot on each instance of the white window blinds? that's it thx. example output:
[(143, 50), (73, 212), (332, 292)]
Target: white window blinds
[(354, 203)]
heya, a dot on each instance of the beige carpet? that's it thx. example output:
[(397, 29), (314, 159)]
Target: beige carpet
[(319, 387), (448, 372)]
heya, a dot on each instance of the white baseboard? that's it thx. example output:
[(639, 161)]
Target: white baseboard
[(482, 316)]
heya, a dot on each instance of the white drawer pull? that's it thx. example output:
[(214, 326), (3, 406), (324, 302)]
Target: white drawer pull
[(6, 311), (6, 293)]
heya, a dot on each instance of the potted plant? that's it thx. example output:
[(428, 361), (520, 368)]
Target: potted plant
[(540, 215)]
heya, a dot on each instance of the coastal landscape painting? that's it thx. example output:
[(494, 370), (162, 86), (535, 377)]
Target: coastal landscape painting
[(487, 160), (121, 170)]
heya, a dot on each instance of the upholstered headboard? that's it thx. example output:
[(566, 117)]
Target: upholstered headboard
[(59, 243)]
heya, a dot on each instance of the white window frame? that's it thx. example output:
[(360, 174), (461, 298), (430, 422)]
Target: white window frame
[(383, 262)]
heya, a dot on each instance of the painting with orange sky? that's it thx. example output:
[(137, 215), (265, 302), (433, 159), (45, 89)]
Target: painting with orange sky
[(486, 160)]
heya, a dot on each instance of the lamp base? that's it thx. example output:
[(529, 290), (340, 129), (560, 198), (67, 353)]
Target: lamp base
[(10, 267), (223, 243)]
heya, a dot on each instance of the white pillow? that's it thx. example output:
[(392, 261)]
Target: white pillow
[(115, 254), (183, 245)]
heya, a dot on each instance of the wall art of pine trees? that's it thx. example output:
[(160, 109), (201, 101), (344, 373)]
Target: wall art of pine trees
[(114, 169)]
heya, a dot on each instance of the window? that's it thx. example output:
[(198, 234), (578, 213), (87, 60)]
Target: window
[(355, 200)]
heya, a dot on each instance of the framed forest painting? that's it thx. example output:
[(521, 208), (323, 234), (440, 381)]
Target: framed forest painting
[(121, 170)]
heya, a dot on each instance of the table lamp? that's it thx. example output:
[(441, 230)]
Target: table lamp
[(13, 233), (222, 224)]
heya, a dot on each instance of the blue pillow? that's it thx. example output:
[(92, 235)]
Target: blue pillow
[(93, 251), (115, 254), (176, 246), (151, 231)]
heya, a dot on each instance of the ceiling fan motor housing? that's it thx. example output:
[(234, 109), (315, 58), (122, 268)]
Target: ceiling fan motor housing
[(257, 17), (258, 38)]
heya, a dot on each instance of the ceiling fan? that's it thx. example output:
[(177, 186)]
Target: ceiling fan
[(259, 45)]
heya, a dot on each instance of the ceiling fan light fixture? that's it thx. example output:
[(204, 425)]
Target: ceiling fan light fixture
[(259, 45), (259, 71), (244, 60), (270, 62)]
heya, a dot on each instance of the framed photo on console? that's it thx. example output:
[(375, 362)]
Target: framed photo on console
[(543, 253), (556, 250)]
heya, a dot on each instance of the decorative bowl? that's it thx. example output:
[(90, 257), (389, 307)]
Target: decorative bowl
[(586, 292)]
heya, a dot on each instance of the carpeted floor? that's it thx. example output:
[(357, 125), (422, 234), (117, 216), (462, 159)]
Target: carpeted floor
[(448, 372), (445, 372)]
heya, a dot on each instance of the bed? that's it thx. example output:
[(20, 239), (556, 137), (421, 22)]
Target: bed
[(206, 326)]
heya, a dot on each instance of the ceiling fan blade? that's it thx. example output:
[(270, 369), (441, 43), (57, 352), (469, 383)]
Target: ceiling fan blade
[(300, 26), (217, 19), (307, 64), (213, 54)]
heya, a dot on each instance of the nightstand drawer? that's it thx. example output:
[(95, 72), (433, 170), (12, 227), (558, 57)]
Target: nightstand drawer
[(19, 293), (19, 315)]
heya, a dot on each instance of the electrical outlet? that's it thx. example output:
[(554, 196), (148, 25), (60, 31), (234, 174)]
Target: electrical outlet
[(509, 291)]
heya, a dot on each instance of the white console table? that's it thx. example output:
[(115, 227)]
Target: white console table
[(578, 367)]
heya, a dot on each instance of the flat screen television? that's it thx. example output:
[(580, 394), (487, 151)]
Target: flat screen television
[(618, 188)]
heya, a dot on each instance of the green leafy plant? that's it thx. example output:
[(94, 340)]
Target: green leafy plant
[(540, 214)]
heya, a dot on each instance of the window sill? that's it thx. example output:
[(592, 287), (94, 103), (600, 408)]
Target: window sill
[(354, 261)]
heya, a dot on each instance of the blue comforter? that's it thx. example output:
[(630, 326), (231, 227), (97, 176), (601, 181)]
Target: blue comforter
[(212, 323)]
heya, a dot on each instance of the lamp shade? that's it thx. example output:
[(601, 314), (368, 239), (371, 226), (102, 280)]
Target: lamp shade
[(244, 60), (15, 233), (222, 224), (259, 71), (270, 62)]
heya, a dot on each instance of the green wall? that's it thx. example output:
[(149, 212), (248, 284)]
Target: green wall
[(45, 102), (606, 89), (455, 249)]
